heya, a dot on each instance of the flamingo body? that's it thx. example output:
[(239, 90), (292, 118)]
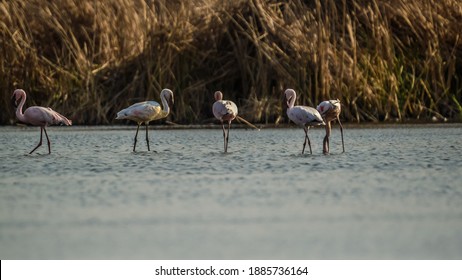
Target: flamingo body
[(142, 112), (225, 111), (37, 116), (41, 116), (147, 111), (303, 116), (330, 111)]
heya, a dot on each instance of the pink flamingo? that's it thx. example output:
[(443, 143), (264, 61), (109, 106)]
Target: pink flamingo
[(225, 111), (330, 111), (302, 115), (38, 116), (144, 112)]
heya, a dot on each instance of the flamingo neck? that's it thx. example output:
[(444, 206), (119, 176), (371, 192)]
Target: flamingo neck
[(165, 107), (291, 102), (19, 113)]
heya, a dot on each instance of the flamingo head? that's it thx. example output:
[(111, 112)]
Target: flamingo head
[(218, 95), (17, 96)]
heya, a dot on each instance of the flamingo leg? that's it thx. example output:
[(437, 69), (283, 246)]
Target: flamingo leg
[(136, 136), (227, 136), (40, 143), (341, 132), (325, 142), (48, 141), (147, 138), (224, 136), (307, 139)]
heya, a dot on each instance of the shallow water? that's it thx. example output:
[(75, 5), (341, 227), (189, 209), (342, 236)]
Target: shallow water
[(395, 194)]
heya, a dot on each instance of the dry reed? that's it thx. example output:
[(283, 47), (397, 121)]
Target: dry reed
[(385, 60)]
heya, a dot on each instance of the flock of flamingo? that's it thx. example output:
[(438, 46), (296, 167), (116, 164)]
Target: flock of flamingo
[(224, 110)]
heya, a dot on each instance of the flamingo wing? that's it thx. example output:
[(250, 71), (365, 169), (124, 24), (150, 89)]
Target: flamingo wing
[(303, 115), (323, 107), (140, 112), (42, 116), (329, 109), (224, 110)]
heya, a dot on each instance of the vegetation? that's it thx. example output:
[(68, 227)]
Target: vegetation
[(384, 59)]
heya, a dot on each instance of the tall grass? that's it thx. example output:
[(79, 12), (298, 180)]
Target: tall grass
[(384, 59)]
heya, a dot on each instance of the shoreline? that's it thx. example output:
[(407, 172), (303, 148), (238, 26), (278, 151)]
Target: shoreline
[(174, 126)]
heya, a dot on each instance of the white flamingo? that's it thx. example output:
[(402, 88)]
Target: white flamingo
[(303, 116), (330, 111), (38, 116), (225, 111), (144, 112)]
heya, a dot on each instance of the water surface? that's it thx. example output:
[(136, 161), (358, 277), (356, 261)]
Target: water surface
[(395, 194)]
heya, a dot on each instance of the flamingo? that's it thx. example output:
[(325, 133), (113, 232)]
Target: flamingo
[(37, 116), (330, 111), (302, 115), (144, 112), (225, 111)]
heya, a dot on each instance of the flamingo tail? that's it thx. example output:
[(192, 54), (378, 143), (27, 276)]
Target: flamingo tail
[(59, 119)]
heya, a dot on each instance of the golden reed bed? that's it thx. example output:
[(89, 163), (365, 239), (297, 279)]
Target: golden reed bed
[(384, 59)]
